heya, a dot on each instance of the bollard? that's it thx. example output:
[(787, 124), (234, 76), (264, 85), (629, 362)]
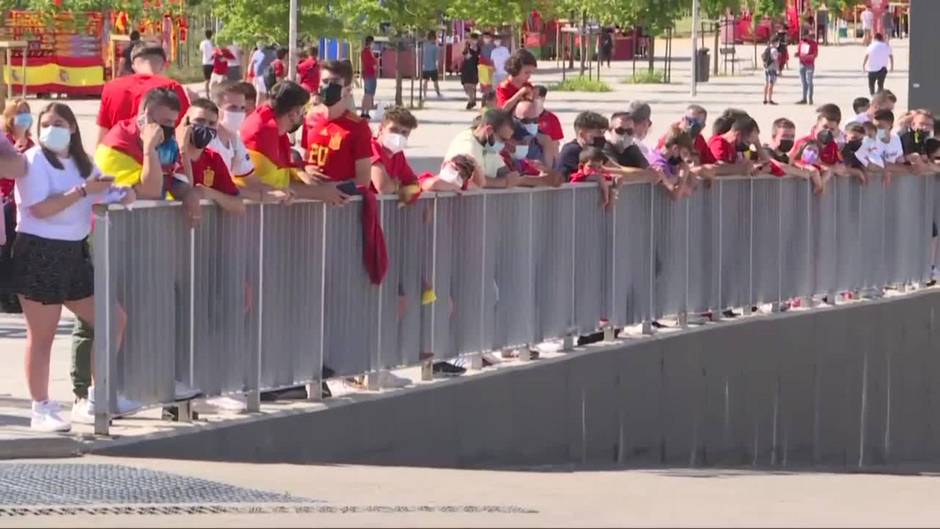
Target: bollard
[(683, 319), (372, 381), (648, 329), (427, 367), (476, 361), (253, 401), (315, 391), (567, 344)]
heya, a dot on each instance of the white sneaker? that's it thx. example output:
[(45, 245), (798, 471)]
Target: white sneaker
[(47, 418), (125, 406), (83, 412), (185, 392), (231, 403), (491, 359), (389, 380)]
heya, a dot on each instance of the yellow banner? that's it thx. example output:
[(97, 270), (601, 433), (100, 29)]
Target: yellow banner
[(77, 76)]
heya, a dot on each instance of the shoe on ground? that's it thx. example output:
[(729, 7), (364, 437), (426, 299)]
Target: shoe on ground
[(729, 314), (389, 380), (125, 406), (47, 417), (83, 412), (771, 102), (183, 391), (446, 369), (801, 102)]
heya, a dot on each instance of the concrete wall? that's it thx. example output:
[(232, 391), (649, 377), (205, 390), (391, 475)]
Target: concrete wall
[(835, 387)]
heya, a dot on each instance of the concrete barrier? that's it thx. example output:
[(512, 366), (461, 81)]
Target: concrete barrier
[(850, 386)]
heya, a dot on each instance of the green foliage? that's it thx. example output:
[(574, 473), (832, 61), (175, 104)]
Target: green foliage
[(716, 8), (581, 84), (647, 77)]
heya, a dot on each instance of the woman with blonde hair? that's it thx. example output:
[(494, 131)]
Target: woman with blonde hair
[(17, 121)]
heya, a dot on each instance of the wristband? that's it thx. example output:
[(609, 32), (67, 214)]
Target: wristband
[(82, 191)]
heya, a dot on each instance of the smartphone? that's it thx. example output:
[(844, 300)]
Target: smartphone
[(348, 188)]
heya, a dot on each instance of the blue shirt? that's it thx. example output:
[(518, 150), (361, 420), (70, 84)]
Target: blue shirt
[(429, 56)]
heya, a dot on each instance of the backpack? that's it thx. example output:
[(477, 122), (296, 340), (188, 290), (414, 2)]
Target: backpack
[(269, 78), (767, 57)]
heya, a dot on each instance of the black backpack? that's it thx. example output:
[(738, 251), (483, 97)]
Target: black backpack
[(270, 79)]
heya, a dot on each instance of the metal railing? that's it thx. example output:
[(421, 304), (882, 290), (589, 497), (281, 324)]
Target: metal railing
[(265, 300)]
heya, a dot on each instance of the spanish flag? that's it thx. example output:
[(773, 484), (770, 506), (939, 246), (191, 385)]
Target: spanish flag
[(121, 153), (269, 150)]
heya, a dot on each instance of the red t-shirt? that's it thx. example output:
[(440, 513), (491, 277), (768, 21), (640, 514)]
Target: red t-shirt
[(210, 170), (828, 154), (396, 165), (550, 125), (334, 146), (121, 97), (808, 50), (220, 61), (368, 64), (705, 156), (308, 74), (280, 69), (581, 176), (506, 90), (722, 149)]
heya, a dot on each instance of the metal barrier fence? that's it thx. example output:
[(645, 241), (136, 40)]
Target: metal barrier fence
[(266, 300)]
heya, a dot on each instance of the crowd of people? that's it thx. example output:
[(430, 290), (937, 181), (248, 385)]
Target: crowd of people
[(159, 141)]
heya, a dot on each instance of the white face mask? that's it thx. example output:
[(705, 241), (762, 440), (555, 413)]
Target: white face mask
[(520, 152), (232, 121), (450, 175), (883, 135), (394, 142), (531, 128), (56, 139)]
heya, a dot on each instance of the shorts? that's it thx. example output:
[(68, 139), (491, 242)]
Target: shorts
[(370, 85), (260, 87), (217, 78), (771, 76), (51, 271), (429, 75), (206, 71)]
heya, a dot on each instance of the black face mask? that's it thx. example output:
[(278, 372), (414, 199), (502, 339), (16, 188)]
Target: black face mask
[(742, 147), (785, 145), (599, 142), (296, 126), (825, 137), (674, 160), (202, 135), (853, 145), (331, 93)]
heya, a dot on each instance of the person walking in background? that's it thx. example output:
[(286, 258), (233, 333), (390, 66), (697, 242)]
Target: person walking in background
[(606, 46), (207, 49), (52, 267), (771, 59), (887, 24), (234, 62), (125, 66), (868, 25), (469, 70), (430, 55), (308, 72), (807, 52), (370, 76), (878, 57), (822, 24), (499, 56)]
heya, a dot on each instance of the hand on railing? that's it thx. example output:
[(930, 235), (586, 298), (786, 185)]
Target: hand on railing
[(329, 193), (284, 197), (191, 207)]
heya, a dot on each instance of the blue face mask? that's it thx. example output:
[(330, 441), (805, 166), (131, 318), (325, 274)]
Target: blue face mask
[(498, 146), (23, 120), (532, 128), (169, 152)]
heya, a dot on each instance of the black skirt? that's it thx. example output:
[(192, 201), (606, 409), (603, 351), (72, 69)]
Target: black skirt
[(50, 271)]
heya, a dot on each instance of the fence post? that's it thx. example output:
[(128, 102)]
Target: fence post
[(717, 310), (253, 397), (427, 360), (372, 378), (525, 353), (745, 310), (476, 359), (648, 324), (105, 366), (570, 335), (315, 390), (778, 306), (683, 316)]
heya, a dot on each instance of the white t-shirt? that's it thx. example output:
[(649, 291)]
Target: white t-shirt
[(499, 57), (207, 48), (893, 151), (466, 143), (861, 119), (870, 152), (235, 156), (868, 19), (42, 180), (236, 54), (879, 56)]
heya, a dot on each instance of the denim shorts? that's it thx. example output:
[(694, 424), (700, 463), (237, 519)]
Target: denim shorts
[(370, 85)]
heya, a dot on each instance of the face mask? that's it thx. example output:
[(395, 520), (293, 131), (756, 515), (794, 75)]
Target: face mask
[(741, 147), (810, 156), (296, 125), (202, 136), (882, 135), (56, 139), (825, 137), (23, 120), (531, 128), (331, 93), (786, 145), (598, 142), (695, 128), (394, 142), (853, 145), (450, 175), (674, 160), (168, 151), (498, 146), (233, 121), (520, 152)]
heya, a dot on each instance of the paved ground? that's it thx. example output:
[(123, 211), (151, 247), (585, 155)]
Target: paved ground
[(390, 496), (580, 498)]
